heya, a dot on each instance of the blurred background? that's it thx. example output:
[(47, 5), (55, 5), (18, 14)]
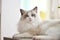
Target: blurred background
[(10, 9)]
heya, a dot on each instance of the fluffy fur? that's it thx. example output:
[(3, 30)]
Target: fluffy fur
[(29, 25), (49, 31)]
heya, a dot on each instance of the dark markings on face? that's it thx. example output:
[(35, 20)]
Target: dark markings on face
[(25, 13), (32, 15)]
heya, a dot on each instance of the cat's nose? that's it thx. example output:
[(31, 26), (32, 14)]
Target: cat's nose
[(30, 19)]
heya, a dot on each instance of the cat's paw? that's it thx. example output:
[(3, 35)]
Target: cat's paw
[(17, 36)]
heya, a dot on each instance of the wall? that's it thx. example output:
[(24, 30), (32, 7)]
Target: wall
[(10, 16), (0, 19), (0, 6)]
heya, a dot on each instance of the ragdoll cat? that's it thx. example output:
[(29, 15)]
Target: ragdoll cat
[(28, 23)]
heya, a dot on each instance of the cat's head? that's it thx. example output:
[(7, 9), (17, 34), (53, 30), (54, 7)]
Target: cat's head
[(29, 16)]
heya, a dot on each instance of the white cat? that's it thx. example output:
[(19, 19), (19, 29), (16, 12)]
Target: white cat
[(29, 25)]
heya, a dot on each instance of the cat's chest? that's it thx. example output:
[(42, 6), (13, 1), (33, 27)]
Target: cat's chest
[(28, 25), (25, 26)]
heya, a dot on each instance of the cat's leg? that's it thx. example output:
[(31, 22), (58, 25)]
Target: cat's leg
[(44, 37), (22, 36)]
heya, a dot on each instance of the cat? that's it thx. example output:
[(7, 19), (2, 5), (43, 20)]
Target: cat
[(28, 23), (29, 26)]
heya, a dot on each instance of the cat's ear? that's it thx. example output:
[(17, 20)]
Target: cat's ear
[(22, 11), (35, 9)]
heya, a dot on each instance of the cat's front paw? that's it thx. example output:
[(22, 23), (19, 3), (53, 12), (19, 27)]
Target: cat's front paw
[(18, 36)]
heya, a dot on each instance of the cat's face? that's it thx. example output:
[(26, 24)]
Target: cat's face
[(29, 16)]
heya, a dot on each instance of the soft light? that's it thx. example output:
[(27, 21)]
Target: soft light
[(42, 14)]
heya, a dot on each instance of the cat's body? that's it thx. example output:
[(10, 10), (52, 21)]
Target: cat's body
[(50, 30), (29, 25)]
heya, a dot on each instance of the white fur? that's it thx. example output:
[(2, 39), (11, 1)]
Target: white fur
[(50, 31)]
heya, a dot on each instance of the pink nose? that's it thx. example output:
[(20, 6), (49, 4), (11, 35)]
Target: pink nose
[(30, 19)]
